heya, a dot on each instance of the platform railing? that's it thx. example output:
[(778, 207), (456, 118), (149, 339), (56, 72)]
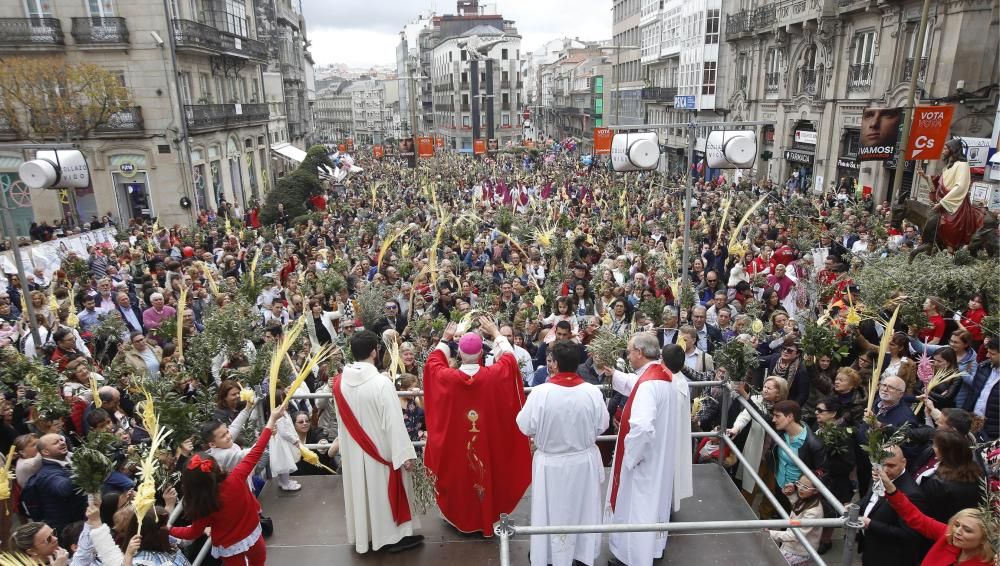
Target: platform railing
[(849, 515)]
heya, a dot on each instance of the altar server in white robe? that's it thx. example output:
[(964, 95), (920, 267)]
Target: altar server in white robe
[(641, 486), (565, 415), (673, 358), (376, 454)]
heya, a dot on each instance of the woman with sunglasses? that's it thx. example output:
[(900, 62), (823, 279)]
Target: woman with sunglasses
[(807, 505), (840, 456), (40, 543)]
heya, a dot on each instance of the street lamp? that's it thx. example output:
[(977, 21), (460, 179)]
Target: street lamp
[(618, 58)]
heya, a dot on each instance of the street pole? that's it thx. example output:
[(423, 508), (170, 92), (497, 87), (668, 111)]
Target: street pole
[(8, 229), (918, 51), (618, 94), (688, 192)]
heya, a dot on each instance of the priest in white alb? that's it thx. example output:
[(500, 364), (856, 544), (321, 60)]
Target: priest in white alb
[(376, 454), (673, 357), (642, 474), (564, 416)]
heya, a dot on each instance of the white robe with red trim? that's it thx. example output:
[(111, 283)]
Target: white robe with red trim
[(567, 470), (373, 400), (645, 492)]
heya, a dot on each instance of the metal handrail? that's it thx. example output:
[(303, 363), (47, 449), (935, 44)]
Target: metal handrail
[(420, 392), (823, 490)]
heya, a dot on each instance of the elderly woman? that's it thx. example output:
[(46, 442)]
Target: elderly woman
[(142, 355), (775, 389), (848, 390)]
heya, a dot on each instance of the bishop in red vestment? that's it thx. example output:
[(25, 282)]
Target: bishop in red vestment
[(481, 459)]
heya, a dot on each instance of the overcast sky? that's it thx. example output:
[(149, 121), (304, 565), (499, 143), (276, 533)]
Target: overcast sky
[(366, 33)]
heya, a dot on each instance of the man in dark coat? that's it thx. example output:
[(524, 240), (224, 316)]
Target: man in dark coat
[(50, 494), (885, 539)]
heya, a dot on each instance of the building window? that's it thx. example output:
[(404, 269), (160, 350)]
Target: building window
[(464, 55), (466, 121), (773, 69), (807, 73), (503, 54), (505, 120), (859, 73), (708, 78), (712, 19)]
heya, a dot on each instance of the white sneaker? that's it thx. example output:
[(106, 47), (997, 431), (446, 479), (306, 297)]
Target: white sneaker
[(291, 486)]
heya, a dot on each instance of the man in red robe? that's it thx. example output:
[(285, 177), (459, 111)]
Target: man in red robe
[(481, 459)]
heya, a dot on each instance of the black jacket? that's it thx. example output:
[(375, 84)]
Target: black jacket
[(51, 496), (943, 498), (888, 541), (798, 386), (991, 427), (812, 452)]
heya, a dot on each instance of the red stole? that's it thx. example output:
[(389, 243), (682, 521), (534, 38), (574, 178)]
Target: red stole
[(654, 371), (397, 491), (565, 379)]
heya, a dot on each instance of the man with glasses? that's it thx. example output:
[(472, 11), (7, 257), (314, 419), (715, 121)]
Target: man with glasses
[(522, 356), (641, 486), (888, 407), (392, 318)]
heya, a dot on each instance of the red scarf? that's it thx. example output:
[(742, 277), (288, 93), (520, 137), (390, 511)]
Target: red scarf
[(654, 371), (397, 491), (565, 379)]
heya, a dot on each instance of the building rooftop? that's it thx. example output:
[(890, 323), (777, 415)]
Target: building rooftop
[(483, 30)]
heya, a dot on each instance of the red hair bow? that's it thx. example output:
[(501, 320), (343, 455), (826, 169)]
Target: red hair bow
[(205, 464)]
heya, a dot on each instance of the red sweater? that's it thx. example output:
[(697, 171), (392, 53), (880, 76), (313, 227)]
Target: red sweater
[(237, 517), (943, 553)]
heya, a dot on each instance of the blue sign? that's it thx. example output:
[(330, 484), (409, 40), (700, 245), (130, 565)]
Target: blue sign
[(686, 102)]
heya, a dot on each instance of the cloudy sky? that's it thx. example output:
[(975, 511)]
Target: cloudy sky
[(361, 34)]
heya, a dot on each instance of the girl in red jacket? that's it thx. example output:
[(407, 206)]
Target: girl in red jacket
[(964, 541), (224, 502)]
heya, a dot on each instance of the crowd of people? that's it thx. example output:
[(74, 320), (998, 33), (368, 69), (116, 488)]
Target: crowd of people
[(422, 302)]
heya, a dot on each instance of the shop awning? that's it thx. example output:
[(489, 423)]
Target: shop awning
[(289, 152)]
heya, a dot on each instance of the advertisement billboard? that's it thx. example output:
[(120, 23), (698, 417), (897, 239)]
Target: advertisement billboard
[(880, 130)]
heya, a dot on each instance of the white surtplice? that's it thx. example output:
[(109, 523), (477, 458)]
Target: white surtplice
[(373, 400), (566, 469), (680, 414), (645, 492)]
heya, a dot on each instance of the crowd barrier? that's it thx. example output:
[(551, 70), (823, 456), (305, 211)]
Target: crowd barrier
[(849, 519)]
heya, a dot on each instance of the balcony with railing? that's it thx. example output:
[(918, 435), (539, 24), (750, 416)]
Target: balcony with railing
[(204, 117), (505, 85), (747, 22), (859, 77), (505, 106), (908, 69), (771, 82), (807, 81), (444, 107), (194, 36), (658, 94), (122, 123), (465, 108), (30, 34), (100, 32), (464, 85)]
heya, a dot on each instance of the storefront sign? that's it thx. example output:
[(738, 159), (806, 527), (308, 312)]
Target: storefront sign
[(799, 157), (127, 169), (847, 163), (976, 151), (805, 136)]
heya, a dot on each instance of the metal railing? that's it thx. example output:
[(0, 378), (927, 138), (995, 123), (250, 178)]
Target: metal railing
[(749, 21), (859, 77), (99, 31), (772, 80), (658, 93), (908, 69), (214, 116), (127, 120), (807, 81), (193, 35), (31, 32), (849, 514)]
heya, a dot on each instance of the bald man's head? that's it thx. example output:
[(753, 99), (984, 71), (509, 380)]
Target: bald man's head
[(109, 398), (53, 447)]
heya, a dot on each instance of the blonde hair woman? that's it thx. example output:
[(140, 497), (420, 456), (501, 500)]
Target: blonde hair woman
[(774, 389)]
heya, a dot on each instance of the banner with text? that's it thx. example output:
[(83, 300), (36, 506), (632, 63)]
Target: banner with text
[(378, 152), (929, 132), (479, 146), (425, 146), (602, 141)]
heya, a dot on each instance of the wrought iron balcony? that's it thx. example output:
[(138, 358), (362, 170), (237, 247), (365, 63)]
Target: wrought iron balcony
[(220, 116), (859, 77), (908, 69), (807, 81), (465, 108), (30, 33), (505, 84), (659, 93), (194, 36), (100, 31), (505, 106), (771, 82), (464, 86), (128, 120), (750, 21)]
